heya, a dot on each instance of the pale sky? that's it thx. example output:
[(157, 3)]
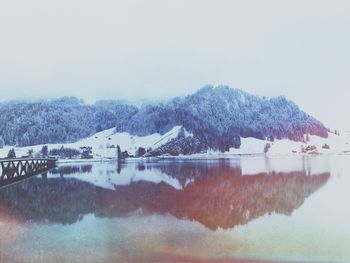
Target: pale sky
[(154, 49)]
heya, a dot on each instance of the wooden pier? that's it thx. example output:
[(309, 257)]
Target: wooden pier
[(17, 169)]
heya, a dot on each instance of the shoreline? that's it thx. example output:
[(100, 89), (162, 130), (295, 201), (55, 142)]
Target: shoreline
[(194, 157), (80, 160)]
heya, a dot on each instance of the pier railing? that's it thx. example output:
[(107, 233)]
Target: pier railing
[(14, 170)]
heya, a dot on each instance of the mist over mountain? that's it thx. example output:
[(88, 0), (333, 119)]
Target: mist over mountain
[(217, 116)]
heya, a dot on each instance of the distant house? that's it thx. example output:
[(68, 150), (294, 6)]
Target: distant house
[(86, 152)]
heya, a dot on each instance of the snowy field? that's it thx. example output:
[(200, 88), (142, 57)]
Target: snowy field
[(103, 145)]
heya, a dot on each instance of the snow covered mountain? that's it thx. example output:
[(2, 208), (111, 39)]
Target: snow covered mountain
[(214, 118), (220, 116)]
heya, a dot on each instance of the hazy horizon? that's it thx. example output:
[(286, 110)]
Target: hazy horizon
[(159, 49)]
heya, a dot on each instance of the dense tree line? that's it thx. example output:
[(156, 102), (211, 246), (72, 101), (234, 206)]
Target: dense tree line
[(65, 152)]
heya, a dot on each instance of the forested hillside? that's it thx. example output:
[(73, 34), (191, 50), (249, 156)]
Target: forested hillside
[(57, 121), (217, 116)]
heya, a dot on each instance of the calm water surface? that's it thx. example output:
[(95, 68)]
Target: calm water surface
[(249, 208)]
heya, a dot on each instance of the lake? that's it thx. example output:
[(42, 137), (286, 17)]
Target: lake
[(244, 209)]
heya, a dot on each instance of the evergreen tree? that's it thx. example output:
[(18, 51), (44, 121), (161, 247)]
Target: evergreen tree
[(2, 143), (44, 151), (119, 153), (267, 147), (11, 154), (30, 153), (307, 138)]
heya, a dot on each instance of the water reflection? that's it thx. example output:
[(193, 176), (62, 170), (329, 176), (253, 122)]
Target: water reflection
[(215, 194), (72, 169)]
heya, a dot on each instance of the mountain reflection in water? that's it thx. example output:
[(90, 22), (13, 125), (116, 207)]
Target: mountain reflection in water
[(215, 195)]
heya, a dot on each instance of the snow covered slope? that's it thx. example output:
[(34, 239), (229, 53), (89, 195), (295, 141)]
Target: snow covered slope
[(103, 143), (338, 144)]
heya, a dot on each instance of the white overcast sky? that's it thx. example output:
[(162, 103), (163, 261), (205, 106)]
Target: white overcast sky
[(154, 49)]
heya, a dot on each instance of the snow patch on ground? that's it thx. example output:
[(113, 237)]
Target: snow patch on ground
[(338, 144)]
